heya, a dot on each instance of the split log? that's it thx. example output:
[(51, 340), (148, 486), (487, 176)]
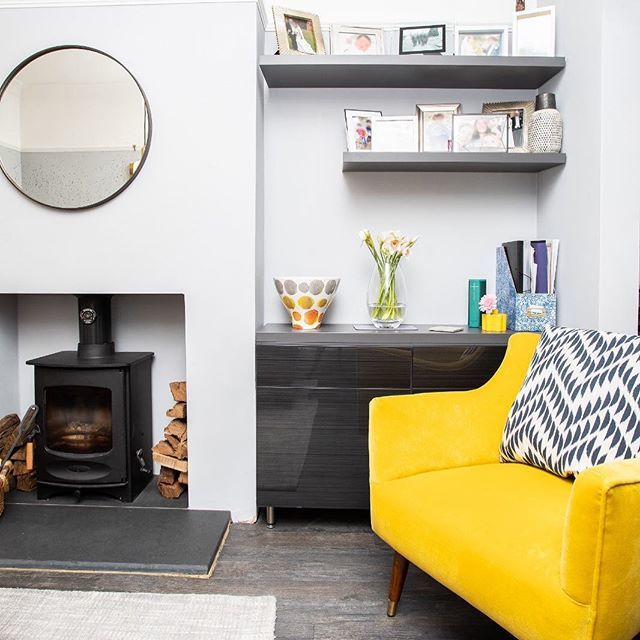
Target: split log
[(8, 425), (20, 468), (167, 475), (176, 428), (163, 448), (172, 463), (5, 475), (173, 441), (181, 452), (174, 490), (179, 410), (178, 391), (183, 478), (26, 482)]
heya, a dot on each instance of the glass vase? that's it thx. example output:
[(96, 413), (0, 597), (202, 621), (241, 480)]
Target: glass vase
[(387, 297)]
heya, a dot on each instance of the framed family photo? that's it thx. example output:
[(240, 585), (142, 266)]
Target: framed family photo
[(519, 115), (428, 39), (359, 127), (482, 41), (480, 133), (435, 126), (298, 32), (356, 41)]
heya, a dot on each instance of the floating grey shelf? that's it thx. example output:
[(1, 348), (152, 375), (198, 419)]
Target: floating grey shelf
[(449, 72), (451, 162)]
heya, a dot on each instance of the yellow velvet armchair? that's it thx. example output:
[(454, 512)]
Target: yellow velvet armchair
[(547, 558)]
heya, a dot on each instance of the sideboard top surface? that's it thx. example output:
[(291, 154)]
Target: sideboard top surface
[(345, 334)]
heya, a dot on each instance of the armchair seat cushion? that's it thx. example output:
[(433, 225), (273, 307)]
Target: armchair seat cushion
[(493, 533)]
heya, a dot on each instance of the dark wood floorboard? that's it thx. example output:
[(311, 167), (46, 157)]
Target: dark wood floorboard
[(329, 574)]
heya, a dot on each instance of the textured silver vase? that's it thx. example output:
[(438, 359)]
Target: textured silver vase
[(545, 126), (545, 131)]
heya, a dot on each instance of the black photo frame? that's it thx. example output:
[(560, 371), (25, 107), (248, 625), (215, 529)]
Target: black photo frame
[(442, 28)]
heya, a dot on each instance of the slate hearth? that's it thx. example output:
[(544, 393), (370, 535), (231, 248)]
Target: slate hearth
[(148, 536)]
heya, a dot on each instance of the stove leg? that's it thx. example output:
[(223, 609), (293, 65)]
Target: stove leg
[(271, 517)]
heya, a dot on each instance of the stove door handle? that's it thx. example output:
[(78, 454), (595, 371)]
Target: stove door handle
[(143, 464)]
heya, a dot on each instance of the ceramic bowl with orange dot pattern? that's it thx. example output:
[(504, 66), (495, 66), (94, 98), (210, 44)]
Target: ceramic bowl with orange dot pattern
[(306, 299)]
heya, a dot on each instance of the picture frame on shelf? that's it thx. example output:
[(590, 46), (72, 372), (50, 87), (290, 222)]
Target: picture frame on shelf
[(519, 114), (298, 32), (356, 40), (429, 39), (435, 126), (480, 132), (359, 125), (395, 133), (483, 40), (534, 32)]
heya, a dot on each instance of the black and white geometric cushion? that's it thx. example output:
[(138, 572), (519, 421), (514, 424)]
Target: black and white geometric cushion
[(579, 405)]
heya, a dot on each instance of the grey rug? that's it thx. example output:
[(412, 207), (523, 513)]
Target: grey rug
[(93, 615)]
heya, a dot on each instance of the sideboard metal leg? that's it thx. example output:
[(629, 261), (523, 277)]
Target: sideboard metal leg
[(271, 517)]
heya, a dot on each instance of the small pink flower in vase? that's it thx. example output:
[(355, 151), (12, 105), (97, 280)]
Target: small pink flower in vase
[(489, 303), (492, 320)]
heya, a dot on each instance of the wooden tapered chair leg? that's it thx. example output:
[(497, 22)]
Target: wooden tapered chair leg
[(398, 576)]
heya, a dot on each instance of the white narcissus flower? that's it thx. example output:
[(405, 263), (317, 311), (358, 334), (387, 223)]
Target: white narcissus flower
[(364, 235)]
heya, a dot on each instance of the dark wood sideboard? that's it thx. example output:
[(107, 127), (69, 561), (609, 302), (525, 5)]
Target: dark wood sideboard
[(313, 394)]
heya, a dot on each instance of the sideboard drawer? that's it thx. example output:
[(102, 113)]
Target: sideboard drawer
[(337, 367), (313, 438), (452, 368)]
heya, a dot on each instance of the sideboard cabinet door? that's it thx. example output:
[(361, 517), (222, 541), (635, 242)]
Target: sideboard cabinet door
[(454, 368)]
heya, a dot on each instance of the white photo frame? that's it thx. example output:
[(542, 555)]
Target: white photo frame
[(534, 32), (347, 41), (359, 134), (435, 126), (395, 133), (481, 40)]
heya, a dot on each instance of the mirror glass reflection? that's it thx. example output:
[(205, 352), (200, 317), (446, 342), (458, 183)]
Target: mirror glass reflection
[(74, 128)]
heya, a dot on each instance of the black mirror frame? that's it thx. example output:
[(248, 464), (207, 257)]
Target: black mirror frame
[(143, 159)]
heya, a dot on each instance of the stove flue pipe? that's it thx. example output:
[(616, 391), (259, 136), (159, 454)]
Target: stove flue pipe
[(94, 322)]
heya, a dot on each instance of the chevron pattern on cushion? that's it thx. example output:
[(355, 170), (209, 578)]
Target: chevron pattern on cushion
[(579, 405)]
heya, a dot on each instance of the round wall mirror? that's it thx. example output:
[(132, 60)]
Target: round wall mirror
[(75, 127)]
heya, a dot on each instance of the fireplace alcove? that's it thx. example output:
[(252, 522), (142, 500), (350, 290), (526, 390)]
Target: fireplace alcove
[(32, 325)]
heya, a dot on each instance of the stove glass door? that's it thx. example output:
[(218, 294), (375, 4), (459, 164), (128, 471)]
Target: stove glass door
[(78, 419)]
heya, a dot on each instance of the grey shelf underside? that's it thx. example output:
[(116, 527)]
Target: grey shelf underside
[(461, 72), (368, 161)]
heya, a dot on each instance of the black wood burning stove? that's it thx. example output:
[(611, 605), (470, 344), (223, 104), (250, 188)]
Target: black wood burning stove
[(95, 412)]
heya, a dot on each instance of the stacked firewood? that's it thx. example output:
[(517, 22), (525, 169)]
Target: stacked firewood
[(171, 453), (19, 471)]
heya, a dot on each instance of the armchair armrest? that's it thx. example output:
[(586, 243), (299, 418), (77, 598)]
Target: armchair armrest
[(415, 433), (600, 562)]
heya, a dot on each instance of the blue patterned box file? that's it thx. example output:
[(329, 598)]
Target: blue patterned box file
[(525, 311)]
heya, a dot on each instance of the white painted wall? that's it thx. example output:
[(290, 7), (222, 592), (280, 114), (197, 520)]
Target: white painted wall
[(591, 205), (620, 168), (186, 225), (9, 396), (49, 323), (569, 197)]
